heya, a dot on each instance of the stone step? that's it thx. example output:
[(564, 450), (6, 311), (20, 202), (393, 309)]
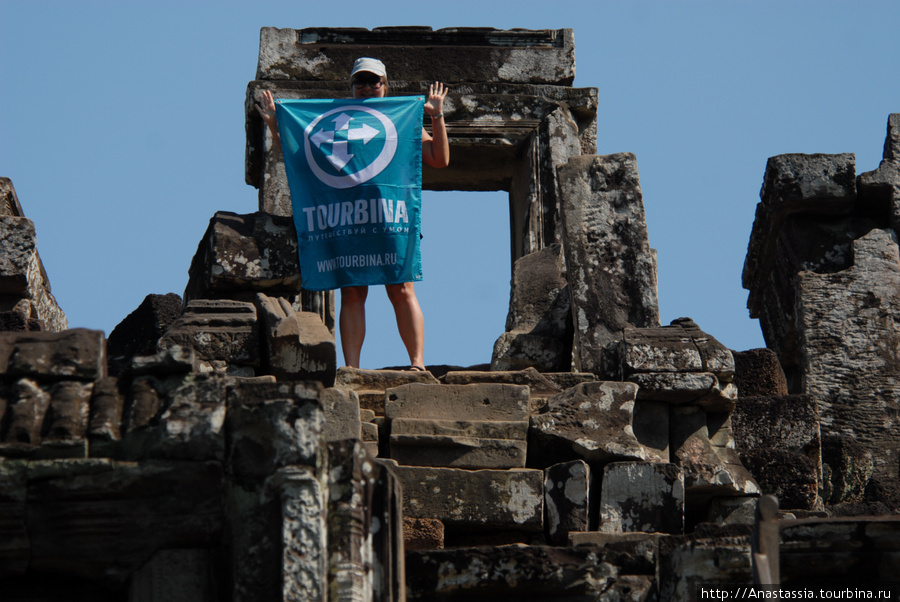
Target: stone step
[(450, 402), (501, 499)]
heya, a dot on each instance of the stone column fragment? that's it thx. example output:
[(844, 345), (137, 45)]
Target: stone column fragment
[(609, 264)]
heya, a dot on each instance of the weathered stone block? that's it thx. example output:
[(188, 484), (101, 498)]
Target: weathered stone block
[(795, 230), (69, 411), (610, 267), (253, 252), (475, 402), (107, 518), (217, 330), (174, 575), (342, 416), (191, 427), (849, 343), (538, 325), (106, 408), (789, 476), (459, 444), (679, 347), (566, 500), (471, 54), (296, 345), (379, 380), (687, 563), (474, 498), (849, 468), (422, 534), (518, 350), (273, 425), (22, 276), (757, 373), (26, 410), (588, 572), (642, 496), (701, 389), (733, 510), (789, 423), (599, 422), (15, 547), (139, 333), (351, 483), (710, 468), (76, 354), (881, 187)]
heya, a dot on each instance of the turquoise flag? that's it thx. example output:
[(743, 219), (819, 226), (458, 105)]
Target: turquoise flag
[(354, 168)]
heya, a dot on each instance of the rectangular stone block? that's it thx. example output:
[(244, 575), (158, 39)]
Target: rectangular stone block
[(519, 56), (342, 420), (75, 354), (448, 402), (474, 498), (274, 425), (567, 499), (642, 496), (609, 264), (457, 452)]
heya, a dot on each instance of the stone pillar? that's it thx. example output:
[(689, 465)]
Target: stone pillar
[(849, 347), (609, 264)]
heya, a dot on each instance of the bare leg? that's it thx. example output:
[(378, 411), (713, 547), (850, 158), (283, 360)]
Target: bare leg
[(410, 321), (353, 322)]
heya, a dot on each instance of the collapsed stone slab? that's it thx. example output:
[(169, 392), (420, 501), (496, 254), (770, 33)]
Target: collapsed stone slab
[(599, 422)]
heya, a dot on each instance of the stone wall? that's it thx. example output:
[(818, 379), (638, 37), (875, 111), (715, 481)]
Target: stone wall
[(822, 271)]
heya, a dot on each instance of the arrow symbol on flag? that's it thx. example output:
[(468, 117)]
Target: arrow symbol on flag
[(340, 151)]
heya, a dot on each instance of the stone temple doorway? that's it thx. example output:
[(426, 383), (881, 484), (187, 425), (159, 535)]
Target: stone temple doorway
[(465, 293)]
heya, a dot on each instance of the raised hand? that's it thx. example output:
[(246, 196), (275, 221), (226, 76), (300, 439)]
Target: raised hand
[(434, 103), (265, 106)]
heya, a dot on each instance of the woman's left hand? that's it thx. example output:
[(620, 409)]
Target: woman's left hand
[(434, 104)]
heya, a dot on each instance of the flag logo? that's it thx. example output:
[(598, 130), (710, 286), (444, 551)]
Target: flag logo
[(331, 141), (354, 168)]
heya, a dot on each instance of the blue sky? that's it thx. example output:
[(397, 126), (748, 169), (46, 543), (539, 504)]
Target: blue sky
[(122, 129)]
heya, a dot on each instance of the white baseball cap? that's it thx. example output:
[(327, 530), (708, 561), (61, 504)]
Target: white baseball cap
[(368, 65)]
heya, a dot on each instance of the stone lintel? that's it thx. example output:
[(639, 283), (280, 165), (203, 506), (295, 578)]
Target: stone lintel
[(449, 55)]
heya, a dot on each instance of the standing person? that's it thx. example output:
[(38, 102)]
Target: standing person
[(368, 79)]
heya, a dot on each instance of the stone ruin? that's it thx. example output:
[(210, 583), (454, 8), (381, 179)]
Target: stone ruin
[(210, 449)]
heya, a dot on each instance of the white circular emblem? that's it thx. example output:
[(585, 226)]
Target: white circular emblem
[(340, 155)]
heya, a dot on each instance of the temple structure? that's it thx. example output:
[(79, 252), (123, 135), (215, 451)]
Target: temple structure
[(210, 449)]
